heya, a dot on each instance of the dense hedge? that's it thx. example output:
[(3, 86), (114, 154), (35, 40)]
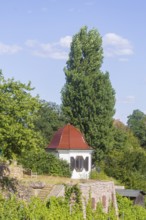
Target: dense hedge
[(45, 163)]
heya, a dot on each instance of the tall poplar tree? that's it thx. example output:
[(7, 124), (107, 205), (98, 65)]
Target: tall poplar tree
[(88, 98)]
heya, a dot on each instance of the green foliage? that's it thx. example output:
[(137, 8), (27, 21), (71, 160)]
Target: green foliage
[(101, 176), (129, 167), (11, 209), (88, 97), (36, 209), (89, 210), (3, 159), (60, 209), (129, 211), (45, 163), (8, 184), (127, 161), (99, 213), (137, 124), (49, 119), (124, 138), (73, 195), (17, 112), (54, 209)]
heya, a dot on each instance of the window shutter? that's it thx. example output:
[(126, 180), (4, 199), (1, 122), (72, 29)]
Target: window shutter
[(86, 163), (79, 163), (72, 163)]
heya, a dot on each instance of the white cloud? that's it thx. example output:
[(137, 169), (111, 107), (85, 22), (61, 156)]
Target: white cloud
[(65, 41), (56, 50), (9, 49), (115, 45), (127, 100), (47, 50)]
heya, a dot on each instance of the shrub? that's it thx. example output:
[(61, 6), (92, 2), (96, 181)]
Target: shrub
[(129, 211), (45, 163), (98, 175)]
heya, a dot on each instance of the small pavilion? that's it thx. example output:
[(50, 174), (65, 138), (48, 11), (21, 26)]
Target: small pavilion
[(69, 144)]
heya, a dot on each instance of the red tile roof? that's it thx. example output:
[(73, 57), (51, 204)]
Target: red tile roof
[(69, 138)]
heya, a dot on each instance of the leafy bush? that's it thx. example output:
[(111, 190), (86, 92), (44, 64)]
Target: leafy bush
[(60, 209), (129, 211), (102, 176), (45, 163), (129, 167), (98, 175), (54, 209)]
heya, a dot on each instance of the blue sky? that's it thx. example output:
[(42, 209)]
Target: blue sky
[(35, 36)]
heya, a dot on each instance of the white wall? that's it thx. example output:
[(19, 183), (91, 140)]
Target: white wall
[(67, 154)]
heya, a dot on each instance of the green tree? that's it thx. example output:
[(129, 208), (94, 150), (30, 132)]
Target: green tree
[(137, 123), (49, 119), (88, 97), (124, 138), (17, 112), (128, 166)]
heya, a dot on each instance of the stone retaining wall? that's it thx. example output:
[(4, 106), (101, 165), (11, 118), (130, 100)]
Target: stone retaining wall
[(100, 191)]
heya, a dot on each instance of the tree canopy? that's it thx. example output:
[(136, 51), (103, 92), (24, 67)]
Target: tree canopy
[(137, 123), (127, 160), (49, 119), (17, 112), (88, 98), (124, 138)]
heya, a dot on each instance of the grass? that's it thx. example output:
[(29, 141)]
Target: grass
[(50, 179), (95, 176)]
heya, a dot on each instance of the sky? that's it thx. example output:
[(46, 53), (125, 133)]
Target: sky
[(35, 37)]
